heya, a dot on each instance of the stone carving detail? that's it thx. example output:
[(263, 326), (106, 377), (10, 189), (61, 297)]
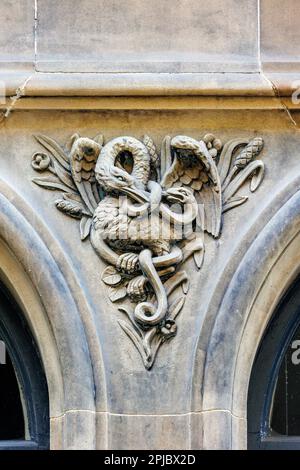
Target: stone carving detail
[(146, 214)]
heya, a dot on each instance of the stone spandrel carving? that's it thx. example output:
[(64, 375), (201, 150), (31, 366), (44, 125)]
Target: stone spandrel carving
[(146, 214)]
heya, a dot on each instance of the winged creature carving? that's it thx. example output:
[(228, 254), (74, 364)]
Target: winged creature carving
[(146, 215)]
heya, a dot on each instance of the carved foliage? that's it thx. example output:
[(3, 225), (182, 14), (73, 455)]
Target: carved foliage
[(145, 240)]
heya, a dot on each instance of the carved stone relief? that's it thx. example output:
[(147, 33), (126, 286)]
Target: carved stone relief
[(145, 214)]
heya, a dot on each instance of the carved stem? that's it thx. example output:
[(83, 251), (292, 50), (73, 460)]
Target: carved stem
[(146, 313)]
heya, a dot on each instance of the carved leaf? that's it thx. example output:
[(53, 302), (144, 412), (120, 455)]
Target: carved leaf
[(234, 203), (96, 193), (174, 281), (135, 338), (54, 149), (157, 342), (50, 182), (112, 280), (117, 293), (64, 176), (166, 158), (92, 203), (257, 177), (74, 197), (85, 227), (110, 276), (176, 307), (148, 337), (185, 286), (226, 156), (253, 168), (195, 247)]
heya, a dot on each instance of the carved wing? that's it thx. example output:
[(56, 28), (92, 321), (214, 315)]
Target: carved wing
[(83, 158), (193, 166)]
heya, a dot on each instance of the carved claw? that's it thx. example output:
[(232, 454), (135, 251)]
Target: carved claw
[(137, 289), (128, 263)]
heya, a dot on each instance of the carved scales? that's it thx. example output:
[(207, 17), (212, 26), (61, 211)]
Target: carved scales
[(145, 214)]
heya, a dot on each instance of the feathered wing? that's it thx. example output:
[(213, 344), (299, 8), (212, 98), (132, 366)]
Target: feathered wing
[(83, 158), (194, 167)]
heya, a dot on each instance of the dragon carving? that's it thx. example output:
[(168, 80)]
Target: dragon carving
[(146, 215)]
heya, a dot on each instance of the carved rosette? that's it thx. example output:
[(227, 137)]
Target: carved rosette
[(145, 213)]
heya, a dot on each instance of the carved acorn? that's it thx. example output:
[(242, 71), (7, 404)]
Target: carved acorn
[(151, 149), (248, 153), (154, 158), (69, 208)]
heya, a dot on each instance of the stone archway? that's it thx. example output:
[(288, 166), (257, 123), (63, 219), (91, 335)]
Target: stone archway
[(267, 269), (56, 321)]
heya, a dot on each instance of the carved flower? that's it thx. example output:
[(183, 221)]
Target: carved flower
[(40, 161), (169, 329)]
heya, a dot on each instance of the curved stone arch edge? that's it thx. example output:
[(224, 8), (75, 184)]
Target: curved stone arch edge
[(16, 281), (221, 284), (247, 306), (77, 290), (72, 406)]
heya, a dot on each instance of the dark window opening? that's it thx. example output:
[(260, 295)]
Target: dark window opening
[(24, 401), (286, 403), (274, 388), (12, 424)]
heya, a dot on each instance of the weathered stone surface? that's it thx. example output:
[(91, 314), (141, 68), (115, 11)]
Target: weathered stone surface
[(17, 32), (142, 249), (215, 422), (149, 432), (172, 36), (280, 36), (126, 391), (114, 68)]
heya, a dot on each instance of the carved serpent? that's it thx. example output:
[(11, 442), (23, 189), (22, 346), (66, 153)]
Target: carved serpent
[(138, 182), (153, 201)]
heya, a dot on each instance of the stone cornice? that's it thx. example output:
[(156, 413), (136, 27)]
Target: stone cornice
[(56, 90)]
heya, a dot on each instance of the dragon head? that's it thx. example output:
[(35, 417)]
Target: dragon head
[(114, 180), (117, 175)]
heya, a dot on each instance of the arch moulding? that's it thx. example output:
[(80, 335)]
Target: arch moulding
[(61, 324), (265, 272)]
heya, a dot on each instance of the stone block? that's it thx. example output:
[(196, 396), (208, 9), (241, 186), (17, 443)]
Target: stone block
[(141, 36)]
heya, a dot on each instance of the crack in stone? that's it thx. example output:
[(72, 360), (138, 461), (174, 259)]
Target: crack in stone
[(20, 93), (278, 97), (21, 90)]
